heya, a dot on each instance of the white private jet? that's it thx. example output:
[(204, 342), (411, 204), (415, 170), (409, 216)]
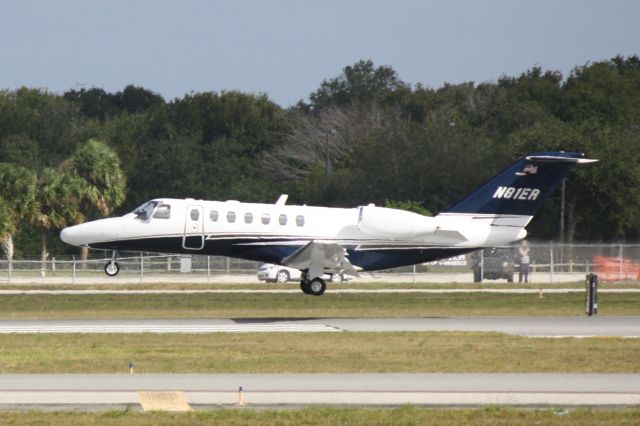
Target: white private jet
[(321, 240)]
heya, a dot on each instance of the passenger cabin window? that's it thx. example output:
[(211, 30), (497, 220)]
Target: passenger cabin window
[(213, 215), (300, 220), (231, 217), (162, 212), (248, 217), (194, 214), (282, 219), (265, 218)]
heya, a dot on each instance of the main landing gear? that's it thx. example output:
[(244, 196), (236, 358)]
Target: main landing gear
[(314, 287), (112, 268)]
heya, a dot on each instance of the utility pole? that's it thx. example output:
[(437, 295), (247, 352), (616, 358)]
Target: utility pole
[(327, 158), (562, 202), (562, 211)]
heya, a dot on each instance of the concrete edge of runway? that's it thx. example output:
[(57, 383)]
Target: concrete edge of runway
[(208, 391), (90, 401)]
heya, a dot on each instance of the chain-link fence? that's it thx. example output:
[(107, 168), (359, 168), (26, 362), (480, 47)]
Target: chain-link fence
[(547, 263), (131, 265)]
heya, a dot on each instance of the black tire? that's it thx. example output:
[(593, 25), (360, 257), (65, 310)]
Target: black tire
[(111, 269), (317, 286), (282, 276), (304, 286)]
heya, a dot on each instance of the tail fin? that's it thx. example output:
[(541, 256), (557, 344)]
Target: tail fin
[(523, 187)]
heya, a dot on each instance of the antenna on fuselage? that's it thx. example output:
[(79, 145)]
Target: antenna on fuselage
[(282, 200)]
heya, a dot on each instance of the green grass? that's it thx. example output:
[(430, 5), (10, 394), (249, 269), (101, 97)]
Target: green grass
[(299, 305), (406, 415), (252, 285), (406, 352)]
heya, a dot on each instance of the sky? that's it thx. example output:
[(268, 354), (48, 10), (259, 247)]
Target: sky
[(286, 48)]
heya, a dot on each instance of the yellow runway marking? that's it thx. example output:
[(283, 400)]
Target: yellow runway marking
[(163, 401)]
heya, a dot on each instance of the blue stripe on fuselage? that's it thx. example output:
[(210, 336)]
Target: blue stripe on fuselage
[(274, 251)]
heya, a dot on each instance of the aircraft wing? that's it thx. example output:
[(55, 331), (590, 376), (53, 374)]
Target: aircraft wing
[(331, 256)]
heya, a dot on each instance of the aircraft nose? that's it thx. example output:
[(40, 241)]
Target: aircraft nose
[(89, 233), (71, 235)]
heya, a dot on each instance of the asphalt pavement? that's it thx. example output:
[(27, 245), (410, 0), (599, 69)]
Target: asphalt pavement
[(578, 326)]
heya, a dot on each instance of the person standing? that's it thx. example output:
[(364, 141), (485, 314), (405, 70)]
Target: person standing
[(525, 260)]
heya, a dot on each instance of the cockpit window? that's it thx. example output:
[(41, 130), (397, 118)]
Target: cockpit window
[(144, 211), (163, 211)]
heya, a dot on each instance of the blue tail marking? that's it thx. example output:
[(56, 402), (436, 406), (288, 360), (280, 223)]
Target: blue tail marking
[(521, 188)]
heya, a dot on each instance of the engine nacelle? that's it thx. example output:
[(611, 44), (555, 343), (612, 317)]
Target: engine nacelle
[(392, 223)]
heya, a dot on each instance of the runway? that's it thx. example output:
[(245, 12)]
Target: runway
[(96, 391), (206, 391), (555, 327)]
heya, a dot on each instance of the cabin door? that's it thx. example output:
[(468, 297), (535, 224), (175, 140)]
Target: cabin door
[(194, 228)]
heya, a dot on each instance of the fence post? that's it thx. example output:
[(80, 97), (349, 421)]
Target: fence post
[(10, 268), (141, 267), (551, 263), (208, 270), (620, 261), (592, 295), (227, 265), (482, 265), (73, 269)]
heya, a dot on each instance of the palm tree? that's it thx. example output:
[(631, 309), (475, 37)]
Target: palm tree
[(88, 184), (105, 185), (99, 166), (59, 197), (18, 202)]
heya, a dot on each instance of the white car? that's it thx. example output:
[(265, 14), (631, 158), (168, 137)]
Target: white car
[(275, 273), (281, 274)]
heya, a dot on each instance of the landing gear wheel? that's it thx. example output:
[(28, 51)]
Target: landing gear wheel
[(304, 286), (112, 269), (317, 286), (282, 276)]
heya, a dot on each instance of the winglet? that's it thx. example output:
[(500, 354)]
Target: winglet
[(282, 200)]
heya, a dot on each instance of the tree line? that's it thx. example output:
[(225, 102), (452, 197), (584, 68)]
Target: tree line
[(363, 136)]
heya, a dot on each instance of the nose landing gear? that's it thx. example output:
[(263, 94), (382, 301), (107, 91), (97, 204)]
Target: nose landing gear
[(112, 268)]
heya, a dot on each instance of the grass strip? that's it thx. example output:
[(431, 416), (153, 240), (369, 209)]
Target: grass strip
[(296, 286), (262, 305), (405, 415), (406, 352)]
